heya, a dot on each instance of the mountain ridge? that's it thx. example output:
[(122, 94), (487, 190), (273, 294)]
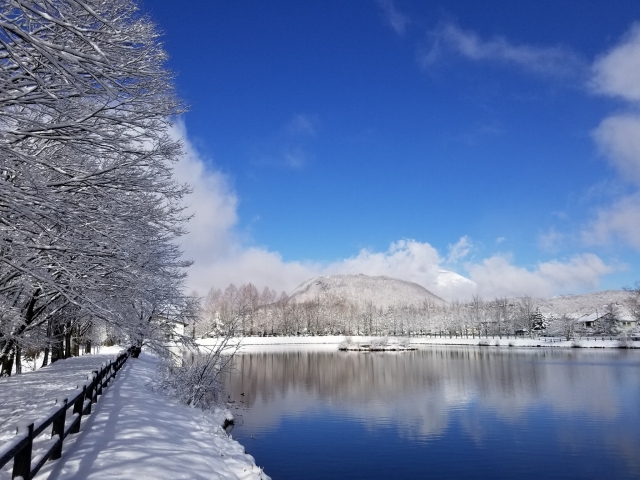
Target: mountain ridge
[(382, 291)]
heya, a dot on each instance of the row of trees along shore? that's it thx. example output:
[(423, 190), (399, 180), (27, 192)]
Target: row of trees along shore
[(265, 313), (89, 210)]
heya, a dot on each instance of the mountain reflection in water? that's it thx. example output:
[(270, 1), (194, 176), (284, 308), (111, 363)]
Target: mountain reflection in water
[(536, 395)]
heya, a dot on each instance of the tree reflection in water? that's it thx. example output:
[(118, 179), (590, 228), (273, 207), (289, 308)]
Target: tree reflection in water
[(418, 393)]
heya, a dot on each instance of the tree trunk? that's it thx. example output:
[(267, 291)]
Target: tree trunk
[(7, 350), (57, 346), (56, 351), (67, 344), (45, 361), (6, 359), (18, 359), (75, 348)]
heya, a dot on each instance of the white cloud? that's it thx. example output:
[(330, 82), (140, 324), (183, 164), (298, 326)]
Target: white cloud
[(221, 257), (302, 124), (397, 20), (290, 144), (406, 259), (213, 203), (619, 139), (212, 241), (617, 73), (617, 222), (495, 276), (551, 241), (295, 158), (459, 250), (555, 61), (498, 276), (215, 192), (258, 266)]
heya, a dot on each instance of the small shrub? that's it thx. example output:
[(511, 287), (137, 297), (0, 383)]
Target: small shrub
[(31, 353), (196, 380), (576, 344), (624, 342), (404, 342), (497, 344), (347, 342), (511, 344), (483, 343), (380, 342)]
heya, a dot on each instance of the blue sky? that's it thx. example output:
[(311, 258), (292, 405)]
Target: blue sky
[(495, 139)]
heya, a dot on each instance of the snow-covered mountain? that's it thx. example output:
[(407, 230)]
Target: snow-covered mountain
[(451, 286), (360, 289), (383, 292)]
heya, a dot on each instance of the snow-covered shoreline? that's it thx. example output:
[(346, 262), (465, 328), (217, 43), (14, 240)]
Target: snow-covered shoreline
[(331, 342)]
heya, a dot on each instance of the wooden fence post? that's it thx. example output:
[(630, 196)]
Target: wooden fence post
[(107, 374), (22, 460), (58, 429), (77, 408), (99, 385), (94, 387)]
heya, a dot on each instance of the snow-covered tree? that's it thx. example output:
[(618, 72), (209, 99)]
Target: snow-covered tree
[(567, 326), (538, 321), (89, 211), (607, 323), (526, 318), (633, 301)]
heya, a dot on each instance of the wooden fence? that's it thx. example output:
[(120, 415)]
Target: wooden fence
[(20, 447)]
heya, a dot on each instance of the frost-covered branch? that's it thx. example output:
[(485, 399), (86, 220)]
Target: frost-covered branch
[(89, 210)]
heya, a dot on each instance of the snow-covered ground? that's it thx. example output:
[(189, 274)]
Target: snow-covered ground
[(134, 433), (24, 396), (522, 342), (331, 342)]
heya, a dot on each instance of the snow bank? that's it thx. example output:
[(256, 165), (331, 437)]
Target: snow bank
[(521, 342), (331, 342)]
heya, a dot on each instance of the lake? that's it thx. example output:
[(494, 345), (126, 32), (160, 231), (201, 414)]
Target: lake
[(440, 412)]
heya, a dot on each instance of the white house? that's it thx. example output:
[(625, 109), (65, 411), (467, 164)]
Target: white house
[(624, 320)]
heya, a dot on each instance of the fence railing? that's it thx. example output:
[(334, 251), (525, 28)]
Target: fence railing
[(20, 448)]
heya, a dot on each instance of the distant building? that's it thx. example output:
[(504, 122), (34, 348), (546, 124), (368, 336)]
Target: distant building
[(589, 321), (624, 320), (177, 330), (627, 322)]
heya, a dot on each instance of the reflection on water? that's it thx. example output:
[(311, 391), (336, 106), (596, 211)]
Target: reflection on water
[(463, 412)]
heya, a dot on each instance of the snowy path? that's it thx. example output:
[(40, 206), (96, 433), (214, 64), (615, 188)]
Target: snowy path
[(137, 434), (30, 394)]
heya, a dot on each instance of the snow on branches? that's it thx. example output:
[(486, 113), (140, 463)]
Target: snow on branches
[(89, 210)]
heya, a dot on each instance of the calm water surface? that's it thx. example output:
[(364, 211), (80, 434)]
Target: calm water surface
[(440, 412)]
